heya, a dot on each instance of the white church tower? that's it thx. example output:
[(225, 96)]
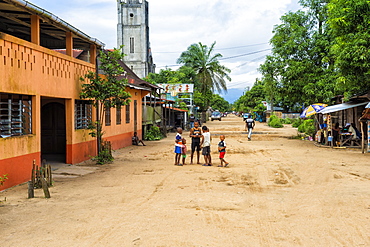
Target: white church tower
[(133, 34)]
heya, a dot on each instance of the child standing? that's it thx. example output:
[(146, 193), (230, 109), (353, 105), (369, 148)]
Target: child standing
[(206, 144), (222, 151), (183, 151), (178, 147)]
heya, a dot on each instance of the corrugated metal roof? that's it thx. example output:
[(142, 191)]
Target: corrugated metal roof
[(16, 21), (130, 85), (341, 107), (176, 109)]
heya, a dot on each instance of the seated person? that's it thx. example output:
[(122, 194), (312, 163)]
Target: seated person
[(358, 133), (136, 140), (346, 128)]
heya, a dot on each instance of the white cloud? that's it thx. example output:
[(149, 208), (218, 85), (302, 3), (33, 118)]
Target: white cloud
[(176, 24)]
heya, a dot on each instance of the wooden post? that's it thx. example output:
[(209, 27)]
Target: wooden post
[(45, 188), (38, 176), (33, 172), (363, 137), (50, 176), (31, 193), (35, 29)]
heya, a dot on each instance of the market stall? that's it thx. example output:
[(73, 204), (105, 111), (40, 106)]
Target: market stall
[(340, 124), (365, 129)]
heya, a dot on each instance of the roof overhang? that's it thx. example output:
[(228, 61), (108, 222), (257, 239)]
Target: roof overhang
[(133, 86), (15, 19), (176, 109), (341, 107)]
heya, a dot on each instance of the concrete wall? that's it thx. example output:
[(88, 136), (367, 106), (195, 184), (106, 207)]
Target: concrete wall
[(49, 76)]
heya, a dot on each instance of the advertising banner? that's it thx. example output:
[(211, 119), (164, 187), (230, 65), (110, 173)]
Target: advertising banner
[(174, 89)]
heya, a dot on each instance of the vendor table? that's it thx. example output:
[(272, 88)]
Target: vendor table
[(345, 139)]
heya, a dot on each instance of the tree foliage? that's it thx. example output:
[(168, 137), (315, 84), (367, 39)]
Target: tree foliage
[(210, 75), (219, 103), (107, 90), (184, 75), (252, 99), (301, 69), (350, 25)]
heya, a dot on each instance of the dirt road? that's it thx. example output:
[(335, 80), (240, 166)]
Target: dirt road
[(276, 192)]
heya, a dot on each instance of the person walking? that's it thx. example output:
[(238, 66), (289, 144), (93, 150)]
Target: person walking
[(249, 123), (222, 151)]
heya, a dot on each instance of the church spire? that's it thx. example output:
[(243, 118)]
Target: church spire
[(133, 35)]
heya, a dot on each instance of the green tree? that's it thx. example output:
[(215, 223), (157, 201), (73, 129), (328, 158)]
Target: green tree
[(210, 75), (350, 24), (300, 68), (202, 100), (251, 98), (271, 71), (184, 75), (219, 103), (106, 91)]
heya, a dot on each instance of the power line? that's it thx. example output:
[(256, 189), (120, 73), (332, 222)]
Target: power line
[(237, 83), (236, 47), (253, 60), (227, 48), (165, 66), (256, 59), (242, 55)]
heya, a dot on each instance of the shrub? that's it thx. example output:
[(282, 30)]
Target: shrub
[(275, 122), (286, 120), (105, 155), (154, 133), (307, 127), (297, 122), (3, 178)]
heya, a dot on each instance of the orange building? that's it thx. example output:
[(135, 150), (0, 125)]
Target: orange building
[(41, 114)]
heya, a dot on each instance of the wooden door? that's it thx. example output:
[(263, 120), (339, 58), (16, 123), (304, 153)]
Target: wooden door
[(53, 129)]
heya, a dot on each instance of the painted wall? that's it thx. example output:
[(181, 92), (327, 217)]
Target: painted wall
[(49, 76), (125, 130)]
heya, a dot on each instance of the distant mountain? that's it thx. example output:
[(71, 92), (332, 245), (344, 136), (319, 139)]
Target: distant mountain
[(232, 94)]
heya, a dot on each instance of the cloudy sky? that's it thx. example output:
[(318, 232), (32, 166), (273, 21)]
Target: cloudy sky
[(241, 29)]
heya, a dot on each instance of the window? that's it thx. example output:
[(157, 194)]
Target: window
[(132, 45), (83, 114), (128, 113), (107, 116), (15, 115), (118, 115)]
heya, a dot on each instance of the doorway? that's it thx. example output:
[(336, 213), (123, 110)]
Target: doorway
[(53, 132), (135, 115)]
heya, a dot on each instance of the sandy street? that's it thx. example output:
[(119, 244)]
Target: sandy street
[(277, 192)]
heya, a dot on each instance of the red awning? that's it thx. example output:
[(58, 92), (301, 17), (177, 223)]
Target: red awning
[(176, 109)]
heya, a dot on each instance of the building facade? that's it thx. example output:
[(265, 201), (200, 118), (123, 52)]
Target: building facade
[(133, 35), (41, 113)]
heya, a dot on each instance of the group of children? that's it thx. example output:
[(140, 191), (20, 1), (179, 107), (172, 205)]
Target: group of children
[(201, 139)]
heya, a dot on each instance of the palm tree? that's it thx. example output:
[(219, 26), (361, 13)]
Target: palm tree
[(210, 74)]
